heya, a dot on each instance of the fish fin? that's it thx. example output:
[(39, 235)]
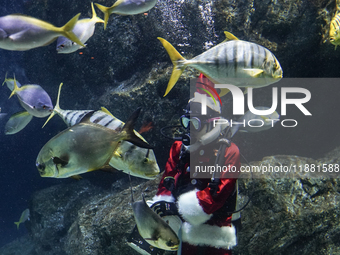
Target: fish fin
[(81, 47), (17, 223), (151, 239), (335, 47), (59, 161), (245, 92), (66, 30), (103, 109), (5, 79), (95, 18), (175, 57), (16, 88), (117, 154), (56, 107), (223, 92), (253, 72), (229, 36), (130, 134), (18, 35), (86, 118), (265, 118), (76, 177), (106, 12), (3, 34)]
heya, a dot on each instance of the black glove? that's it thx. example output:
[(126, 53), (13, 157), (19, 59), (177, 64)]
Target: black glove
[(214, 187), (163, 208)]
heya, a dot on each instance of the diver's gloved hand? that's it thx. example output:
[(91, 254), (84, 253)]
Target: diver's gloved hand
[(214, 187), (163, 208)]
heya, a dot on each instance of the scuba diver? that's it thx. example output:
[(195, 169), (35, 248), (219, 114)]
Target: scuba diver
[(200, 210)]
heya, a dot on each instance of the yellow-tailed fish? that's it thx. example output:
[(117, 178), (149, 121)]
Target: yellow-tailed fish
[(257, 122), (83, 148), (83, 29), (153, 228), (17, 122), (237, 62), (127, 157), (334, 30), (126, 7), (25, 215), (33, 98), (10, 83), (20, 32)]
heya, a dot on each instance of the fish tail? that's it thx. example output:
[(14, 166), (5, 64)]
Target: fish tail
[(17, 223), (66, 30), (5, 79), (16, 88), (129, 134), (175, 57), (104, 10), (56, 107), (95, 18)]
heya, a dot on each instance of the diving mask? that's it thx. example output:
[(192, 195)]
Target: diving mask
[(195, 122)]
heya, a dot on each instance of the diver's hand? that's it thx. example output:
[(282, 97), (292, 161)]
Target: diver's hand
[(163, 208)]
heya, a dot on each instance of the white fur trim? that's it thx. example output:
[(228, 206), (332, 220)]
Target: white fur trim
[(190, 209), (209, 235), (165, 198)]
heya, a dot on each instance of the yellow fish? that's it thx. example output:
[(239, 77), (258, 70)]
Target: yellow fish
[(25, 215), (20, 32), (240, 63), (84, 29), (126, 7), (17, 122), (334, 30)]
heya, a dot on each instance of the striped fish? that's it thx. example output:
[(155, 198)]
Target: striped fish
[(237, 62), (334, 30), (127, 157)]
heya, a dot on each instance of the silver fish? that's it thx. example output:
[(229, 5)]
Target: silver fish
[(34, 99), (252, 123), (25, 215), (83, 29), (126, 7), (17, 122), (334, 30), (236, 62), (83, 148), (153, 228), (20, 32), (127, 157)]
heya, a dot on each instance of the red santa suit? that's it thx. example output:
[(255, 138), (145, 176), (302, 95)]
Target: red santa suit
[(206, 223)]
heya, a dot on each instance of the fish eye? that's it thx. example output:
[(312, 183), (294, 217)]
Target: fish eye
[(44, 107), (170, 243), (62, 46), (146, 160), (41, 167)]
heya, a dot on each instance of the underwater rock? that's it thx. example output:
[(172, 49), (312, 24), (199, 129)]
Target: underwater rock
[(102, 226), (21, 246), (290, 215), (53, 210), (285, 215)]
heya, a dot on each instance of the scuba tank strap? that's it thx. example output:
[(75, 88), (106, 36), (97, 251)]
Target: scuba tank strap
[(224, 142)]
